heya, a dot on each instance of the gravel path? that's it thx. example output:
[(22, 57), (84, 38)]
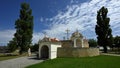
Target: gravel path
[(19, 62)]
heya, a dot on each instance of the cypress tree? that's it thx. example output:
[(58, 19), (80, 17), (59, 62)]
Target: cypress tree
[(24, 28), (102, 29)]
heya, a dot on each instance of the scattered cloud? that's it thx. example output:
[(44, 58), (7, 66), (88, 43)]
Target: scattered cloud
[(82, 16)]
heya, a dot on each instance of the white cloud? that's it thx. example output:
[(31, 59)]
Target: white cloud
[(6, 36), (37, 37), (41, 19), (83, 17)]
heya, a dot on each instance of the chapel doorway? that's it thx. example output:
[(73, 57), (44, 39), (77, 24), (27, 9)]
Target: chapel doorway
[(78, 43), (44, 52)]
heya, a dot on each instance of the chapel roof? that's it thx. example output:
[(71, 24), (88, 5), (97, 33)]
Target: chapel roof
[(77, 34), (50, 39)]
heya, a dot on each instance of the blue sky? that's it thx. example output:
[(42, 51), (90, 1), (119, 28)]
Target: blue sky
[(55, 16)]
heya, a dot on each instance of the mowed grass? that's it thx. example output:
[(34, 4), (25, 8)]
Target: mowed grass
[(6, 57), (85, 62)]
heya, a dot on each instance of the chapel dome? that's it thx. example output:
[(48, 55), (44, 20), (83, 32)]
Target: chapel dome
[(76, 34)]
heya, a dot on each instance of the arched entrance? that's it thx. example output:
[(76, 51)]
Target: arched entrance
[(44, 52), (78, 43)]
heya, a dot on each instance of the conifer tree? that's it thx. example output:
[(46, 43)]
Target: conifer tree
[(103, 30), (24, 28)]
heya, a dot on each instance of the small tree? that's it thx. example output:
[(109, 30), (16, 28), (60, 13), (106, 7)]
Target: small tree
[(92, 43), (102, 29), (35, 47), (117, 42), (12, 45)]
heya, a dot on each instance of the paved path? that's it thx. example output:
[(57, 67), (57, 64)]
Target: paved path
[(110, 54), (19, 62)]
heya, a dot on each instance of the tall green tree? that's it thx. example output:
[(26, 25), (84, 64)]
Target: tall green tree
[(102, 29), (24, 28)]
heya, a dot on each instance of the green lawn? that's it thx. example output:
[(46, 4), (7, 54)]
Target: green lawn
[(85, 62), (7, 57)]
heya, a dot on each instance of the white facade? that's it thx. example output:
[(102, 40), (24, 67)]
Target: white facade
[(75, 42), (52, 49)]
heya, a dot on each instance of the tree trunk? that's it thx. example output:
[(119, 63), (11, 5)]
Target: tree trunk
[(105, 49)]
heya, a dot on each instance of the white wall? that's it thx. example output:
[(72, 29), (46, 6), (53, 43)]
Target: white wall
[(52, 49)]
